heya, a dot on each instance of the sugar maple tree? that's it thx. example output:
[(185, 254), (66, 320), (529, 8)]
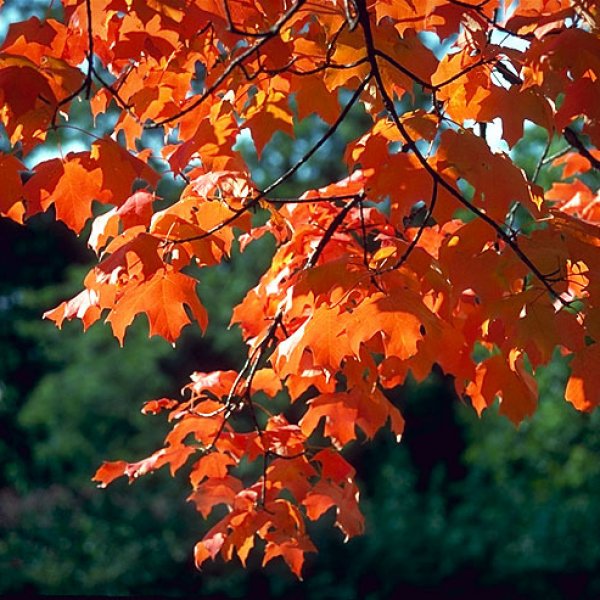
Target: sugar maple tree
[(436, 249)]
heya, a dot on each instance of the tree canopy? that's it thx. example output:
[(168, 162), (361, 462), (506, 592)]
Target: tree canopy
[(435, 249)]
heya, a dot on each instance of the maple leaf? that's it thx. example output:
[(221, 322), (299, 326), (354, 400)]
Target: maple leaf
[(215, 491), (27, 99), (109, 471), (153, 407), (104, 228), (582, 389), (340, 414), (119, 170), (334, 466), (136, 210), (84, 306), (11, 195), (203, 427), (344, 497), (323, 333), (393, 318), (292, 475), (71, 186), (269, 113), (292, 551), (162, 299), (509, 378), (212, 466)]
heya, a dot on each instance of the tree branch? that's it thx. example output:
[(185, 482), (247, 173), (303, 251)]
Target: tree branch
[(415, 240), (573, 139), (365, 23), (234, 63), (331, 229), (285, 176)]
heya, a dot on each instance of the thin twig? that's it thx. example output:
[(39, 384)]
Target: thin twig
[(415, 240), (90, 56), (573, 139), (335, 223), (540, 164)]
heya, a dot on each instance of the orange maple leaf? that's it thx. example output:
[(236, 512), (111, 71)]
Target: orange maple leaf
[(162, 298)]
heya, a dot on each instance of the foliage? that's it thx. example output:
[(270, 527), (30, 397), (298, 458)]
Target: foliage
[(435, 250)]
